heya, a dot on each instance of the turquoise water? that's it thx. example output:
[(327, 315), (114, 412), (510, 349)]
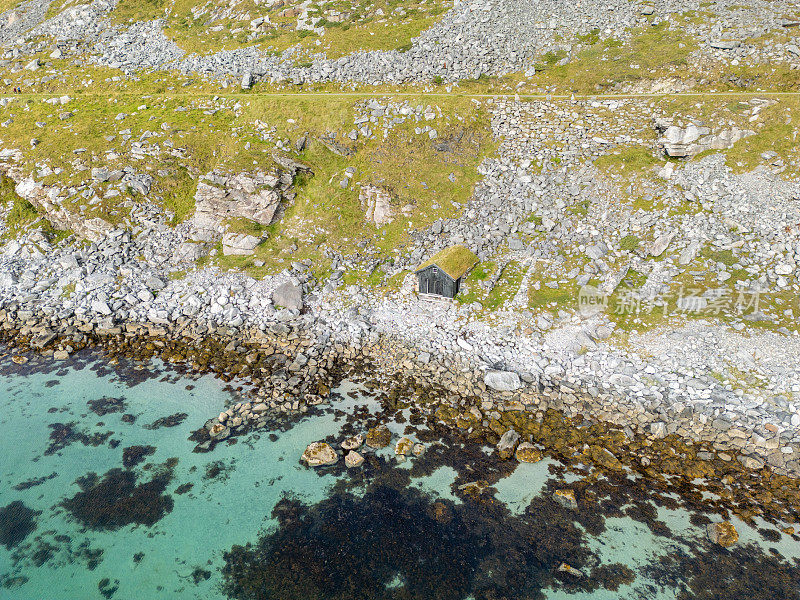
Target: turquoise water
[(235, 488)]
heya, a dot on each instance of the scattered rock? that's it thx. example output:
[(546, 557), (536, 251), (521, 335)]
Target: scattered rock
[(353, 459)]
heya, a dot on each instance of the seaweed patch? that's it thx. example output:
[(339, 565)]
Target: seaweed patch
[(133, 455), (105, 405), (170, 421), (17, 521), (116, 499), (380, 546), (34, 481), (64, 434)]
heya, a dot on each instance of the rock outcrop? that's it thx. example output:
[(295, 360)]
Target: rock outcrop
[(377, 205), (693, 139), (255, 196)]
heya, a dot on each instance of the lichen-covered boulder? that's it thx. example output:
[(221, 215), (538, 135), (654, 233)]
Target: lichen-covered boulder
[(508, 443), (566, 498), (528, 453), (403, 446), (379, 437), (723, 533)]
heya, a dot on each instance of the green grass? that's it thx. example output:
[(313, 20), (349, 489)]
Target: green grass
[(9, 4), (178, 193), (505, 288), (565, 296), (363, 29), (628, 159), (778, 133), (652, 52), (726, 257), (22, 213)]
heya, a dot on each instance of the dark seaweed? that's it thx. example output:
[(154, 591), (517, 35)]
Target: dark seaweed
[(103, 406), (710, 572), (116, 500), (348, 547), (107, 589), (17, 521), (33, 482), (199, 575), (64, 434), (133, 455), (170, 421)]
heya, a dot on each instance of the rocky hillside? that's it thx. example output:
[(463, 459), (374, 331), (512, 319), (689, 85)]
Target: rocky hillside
[(626, 172)]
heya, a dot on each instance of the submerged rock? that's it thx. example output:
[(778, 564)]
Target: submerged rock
[(318, 454), (218, 431), (353, 442), (569, 570), (723, 533)]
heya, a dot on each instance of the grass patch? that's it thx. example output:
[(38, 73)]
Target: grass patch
[(778, 132), (651, 53), (628, 159), (726, 257), (629, 243), (21, 213), (547, 297)]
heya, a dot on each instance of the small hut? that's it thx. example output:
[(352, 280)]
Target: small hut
[(441, 274)]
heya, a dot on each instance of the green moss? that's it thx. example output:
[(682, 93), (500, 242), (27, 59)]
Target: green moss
[(67, 290), (246, 226)]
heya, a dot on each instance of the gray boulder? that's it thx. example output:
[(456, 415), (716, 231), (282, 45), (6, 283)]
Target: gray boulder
[(502, 381), (239, 244), (288, 295)]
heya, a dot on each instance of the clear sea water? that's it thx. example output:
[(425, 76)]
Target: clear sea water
[(233, 493)]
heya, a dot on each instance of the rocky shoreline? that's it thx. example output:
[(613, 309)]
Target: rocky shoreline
[(294, 369)]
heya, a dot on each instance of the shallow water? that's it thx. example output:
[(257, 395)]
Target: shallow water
[(171, 539)]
